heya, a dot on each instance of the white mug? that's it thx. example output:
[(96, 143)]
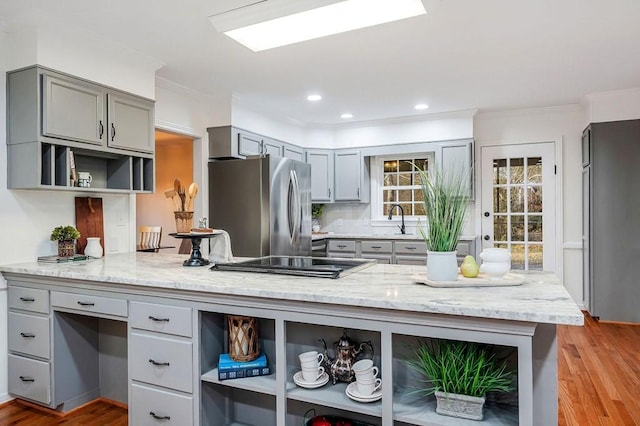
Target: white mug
[(84, 179)]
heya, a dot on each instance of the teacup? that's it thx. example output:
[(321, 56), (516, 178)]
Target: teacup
[(366, 387), (312, 375), (364, 369), (310, 364)]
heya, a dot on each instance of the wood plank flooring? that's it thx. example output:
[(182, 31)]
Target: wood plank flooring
[(598, 383)]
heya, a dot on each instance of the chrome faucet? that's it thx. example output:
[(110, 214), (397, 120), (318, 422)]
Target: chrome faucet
[(402, 229)]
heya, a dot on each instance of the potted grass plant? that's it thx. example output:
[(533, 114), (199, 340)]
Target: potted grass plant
[(460, 374), (445, 203), (66, 237)]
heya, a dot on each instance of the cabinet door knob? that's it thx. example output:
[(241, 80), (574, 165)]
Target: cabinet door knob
[(158, 417), (156, 319)]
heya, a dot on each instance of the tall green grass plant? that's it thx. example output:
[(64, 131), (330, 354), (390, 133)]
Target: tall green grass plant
[(445, 204)]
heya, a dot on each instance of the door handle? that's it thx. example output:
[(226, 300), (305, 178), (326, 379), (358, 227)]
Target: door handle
[(486, 237), (487, 214)]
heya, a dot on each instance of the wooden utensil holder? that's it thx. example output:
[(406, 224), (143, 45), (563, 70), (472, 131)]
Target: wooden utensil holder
[(243, 338), (184, 222)]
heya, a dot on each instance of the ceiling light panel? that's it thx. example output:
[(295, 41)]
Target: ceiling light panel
[(323, 21), (314, 98)]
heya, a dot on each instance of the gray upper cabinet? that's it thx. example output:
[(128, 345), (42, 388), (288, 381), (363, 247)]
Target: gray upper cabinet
[(73, 110), (351, 176), (458, 155), (131, 123), (272, 147), (293, 152), (321, 174), (249, 144), (56, 121)]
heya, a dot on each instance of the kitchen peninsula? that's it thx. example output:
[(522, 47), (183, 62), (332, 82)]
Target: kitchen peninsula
[(140, 328)]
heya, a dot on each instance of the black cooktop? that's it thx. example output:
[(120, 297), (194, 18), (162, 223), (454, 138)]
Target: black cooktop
[(324, 267)]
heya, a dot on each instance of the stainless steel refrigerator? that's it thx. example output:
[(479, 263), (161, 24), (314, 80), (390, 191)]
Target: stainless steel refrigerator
[(264, 203)]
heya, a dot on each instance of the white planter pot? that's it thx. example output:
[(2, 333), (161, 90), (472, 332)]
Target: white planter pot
[(462, 406), (442, 266)]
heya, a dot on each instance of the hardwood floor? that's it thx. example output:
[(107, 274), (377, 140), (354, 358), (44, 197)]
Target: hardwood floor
[(599, 374), (598, 383)]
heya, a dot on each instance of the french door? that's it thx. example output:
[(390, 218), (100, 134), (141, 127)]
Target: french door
[(518, 204)]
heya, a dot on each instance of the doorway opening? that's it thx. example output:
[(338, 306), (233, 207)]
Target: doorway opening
[(173, 159)]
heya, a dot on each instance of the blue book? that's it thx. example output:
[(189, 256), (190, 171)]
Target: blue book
[(239, 373), (226, 363)]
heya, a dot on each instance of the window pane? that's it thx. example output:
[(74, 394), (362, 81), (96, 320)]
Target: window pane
[(517, 256), (388, 195), (535, 199), (517, 199), (500, 228), (405, 166), (385, 209), (534, 169), (418, 195), (404, 195), (500, 200), (517, 228), (535, 257), (405, 179), (422, 163), (535, 228), (517, 170), (390, 166), (499, 171), (419, 209), (390, 179)]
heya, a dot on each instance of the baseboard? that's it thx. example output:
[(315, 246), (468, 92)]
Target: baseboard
[(61, 414), (5, 399)]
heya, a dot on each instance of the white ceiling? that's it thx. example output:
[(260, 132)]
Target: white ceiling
[(465, 54)]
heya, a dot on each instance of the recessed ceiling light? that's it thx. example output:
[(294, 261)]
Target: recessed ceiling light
[(421, 106), (314, 98), (323, 21), (346, 115)]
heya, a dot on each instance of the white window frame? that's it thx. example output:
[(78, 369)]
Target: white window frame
[(377, 186)]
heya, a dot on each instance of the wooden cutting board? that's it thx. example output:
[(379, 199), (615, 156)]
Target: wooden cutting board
[(89, 221)]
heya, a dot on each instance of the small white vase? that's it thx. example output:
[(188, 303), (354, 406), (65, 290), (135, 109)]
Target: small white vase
[(442, 266), (495, 262), (93, 248)]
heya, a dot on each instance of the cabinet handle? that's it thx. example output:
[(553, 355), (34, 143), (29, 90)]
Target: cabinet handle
[(28, 335), (86, 303), (329, 189), (376, 247), (157, 417), (411, 248), (157, 363), (341, 246), (101, 129), (27, 379), (27, 299), (358, 192), (152, 318), (113, 132)]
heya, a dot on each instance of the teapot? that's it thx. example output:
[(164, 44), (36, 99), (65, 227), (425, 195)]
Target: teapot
[(339, 368)]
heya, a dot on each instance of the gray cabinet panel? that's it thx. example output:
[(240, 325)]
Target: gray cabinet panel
[(348, 169), (456, 156), (293, 152), (272, 147), (29, 299), (30, 379), (151, 407), (29, 334), (131, 123), (321, 174), (90, 304), (73, 110), (249, 144), (161, 318)]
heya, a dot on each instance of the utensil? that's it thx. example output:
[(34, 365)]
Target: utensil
[(191, 194), (171, 193), (177, 186)]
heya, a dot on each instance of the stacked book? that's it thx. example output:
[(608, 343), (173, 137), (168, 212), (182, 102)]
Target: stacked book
[(230, 369)]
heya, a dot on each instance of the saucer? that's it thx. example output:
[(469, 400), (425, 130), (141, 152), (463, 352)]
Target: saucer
[(300, 381), (352, 392)]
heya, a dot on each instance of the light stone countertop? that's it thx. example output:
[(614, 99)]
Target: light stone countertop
[(541, 298), (321, 236)]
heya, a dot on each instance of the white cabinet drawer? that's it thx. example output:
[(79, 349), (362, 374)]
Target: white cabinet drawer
[(29, 299), (29, 379), (158, 407), (377, 246), (341, 246), (161, 318), (29, 334), (411, 247), (97, 304), (161, 361)]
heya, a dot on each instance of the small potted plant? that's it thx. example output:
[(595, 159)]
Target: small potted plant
[(316, 212), (66, 236), (460, 374)]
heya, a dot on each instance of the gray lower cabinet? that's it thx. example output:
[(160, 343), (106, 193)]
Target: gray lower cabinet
[(152, 406), (341, 248), (381, 251), (59, 124), (30, 378)]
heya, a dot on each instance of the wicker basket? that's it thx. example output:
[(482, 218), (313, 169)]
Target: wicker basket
[(243, 338), (66, 248)]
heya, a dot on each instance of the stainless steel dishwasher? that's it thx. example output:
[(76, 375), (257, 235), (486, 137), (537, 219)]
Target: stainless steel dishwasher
[(319, 248)]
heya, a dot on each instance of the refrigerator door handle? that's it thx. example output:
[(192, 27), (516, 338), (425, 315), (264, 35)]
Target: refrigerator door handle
[(294, 207)]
